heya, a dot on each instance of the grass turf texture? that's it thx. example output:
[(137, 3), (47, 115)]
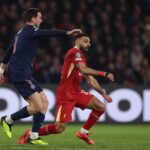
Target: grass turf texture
[(106, 137)]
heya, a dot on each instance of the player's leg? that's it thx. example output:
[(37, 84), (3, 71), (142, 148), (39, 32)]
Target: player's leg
[(37, 105), (34, 106), (86, 100), (98, 109), (38, 119), (56, 128), (24, 89), (62, 116)]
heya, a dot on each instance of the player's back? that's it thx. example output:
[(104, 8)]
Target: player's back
[(71, 77), (23, 52)]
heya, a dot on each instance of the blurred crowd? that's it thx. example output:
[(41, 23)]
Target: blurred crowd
[(119, 31)]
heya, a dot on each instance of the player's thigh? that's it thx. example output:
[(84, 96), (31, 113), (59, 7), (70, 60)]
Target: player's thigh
[(27, 87), (35, 100), (96, 104), (34, 91), (83, 99), (44, 101), (44, 98)]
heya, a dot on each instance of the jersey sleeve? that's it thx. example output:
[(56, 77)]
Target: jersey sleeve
[(8, 53), (48, 33), (77, 58)]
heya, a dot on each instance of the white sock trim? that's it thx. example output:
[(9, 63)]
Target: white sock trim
[(9, 120), (34, 135), (84, 131)]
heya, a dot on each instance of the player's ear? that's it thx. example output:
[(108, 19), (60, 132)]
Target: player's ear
[(76, 41), (33, 19)]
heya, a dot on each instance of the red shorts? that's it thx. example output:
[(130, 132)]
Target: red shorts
[(64, 108)]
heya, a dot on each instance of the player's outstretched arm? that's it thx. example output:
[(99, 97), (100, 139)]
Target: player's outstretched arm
[(55, 32), (89, 71), (8, 54), (74, 32), (2, 77), (95, 85), (4, 62)]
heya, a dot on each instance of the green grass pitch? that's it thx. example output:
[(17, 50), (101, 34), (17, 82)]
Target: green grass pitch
[(106, 137)]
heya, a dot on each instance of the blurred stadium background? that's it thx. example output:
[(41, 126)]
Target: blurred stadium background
[(120, 43), (119, 30)]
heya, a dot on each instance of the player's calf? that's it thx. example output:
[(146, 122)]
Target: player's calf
[(60, 127)]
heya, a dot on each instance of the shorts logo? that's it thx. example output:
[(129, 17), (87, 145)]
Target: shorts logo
[(31, 84)]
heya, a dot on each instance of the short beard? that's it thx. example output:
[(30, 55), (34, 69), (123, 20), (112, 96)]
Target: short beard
[(82, 49)]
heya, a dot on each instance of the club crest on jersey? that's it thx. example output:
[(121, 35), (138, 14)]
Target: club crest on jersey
[(78, 56)]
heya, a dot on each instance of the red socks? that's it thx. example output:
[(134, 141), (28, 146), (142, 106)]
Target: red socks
[(48, 129), (93, 118)]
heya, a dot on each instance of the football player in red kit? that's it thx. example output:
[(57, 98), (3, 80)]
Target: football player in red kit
[(70, 95)]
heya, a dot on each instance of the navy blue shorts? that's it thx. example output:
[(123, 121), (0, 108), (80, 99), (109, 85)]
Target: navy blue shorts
[(27, 87)]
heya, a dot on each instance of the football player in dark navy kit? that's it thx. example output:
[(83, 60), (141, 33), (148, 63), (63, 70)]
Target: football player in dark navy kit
[(18, 59)]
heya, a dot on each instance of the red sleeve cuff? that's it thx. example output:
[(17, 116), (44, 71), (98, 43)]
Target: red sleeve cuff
[(102, 73)]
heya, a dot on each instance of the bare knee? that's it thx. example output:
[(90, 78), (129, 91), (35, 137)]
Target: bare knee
[(45, 103), (101, 107), (60, 127), (36, 108), (98, 105)]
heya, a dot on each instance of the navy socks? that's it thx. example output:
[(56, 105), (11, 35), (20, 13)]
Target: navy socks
[(38, 119), (23, 113)]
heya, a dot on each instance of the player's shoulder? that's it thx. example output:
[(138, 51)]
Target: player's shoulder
[(73, 51), (30, 28)]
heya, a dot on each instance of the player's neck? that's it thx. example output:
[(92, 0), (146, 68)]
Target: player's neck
[(30, 23), (76, 47)]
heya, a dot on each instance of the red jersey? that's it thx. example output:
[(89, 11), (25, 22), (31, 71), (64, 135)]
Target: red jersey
[(69, 86)]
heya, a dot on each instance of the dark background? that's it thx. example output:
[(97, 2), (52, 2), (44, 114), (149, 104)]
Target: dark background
[(119, 31)]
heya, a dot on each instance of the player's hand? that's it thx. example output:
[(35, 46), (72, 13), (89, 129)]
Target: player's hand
[(3, 79), (108, 98), (110, 76), (74, 32)]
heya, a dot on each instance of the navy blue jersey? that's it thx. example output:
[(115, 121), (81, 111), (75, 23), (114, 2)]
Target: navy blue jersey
[(22, 50)]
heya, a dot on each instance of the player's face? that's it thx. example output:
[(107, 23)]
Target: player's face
[(37, 20), (84, 43)]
